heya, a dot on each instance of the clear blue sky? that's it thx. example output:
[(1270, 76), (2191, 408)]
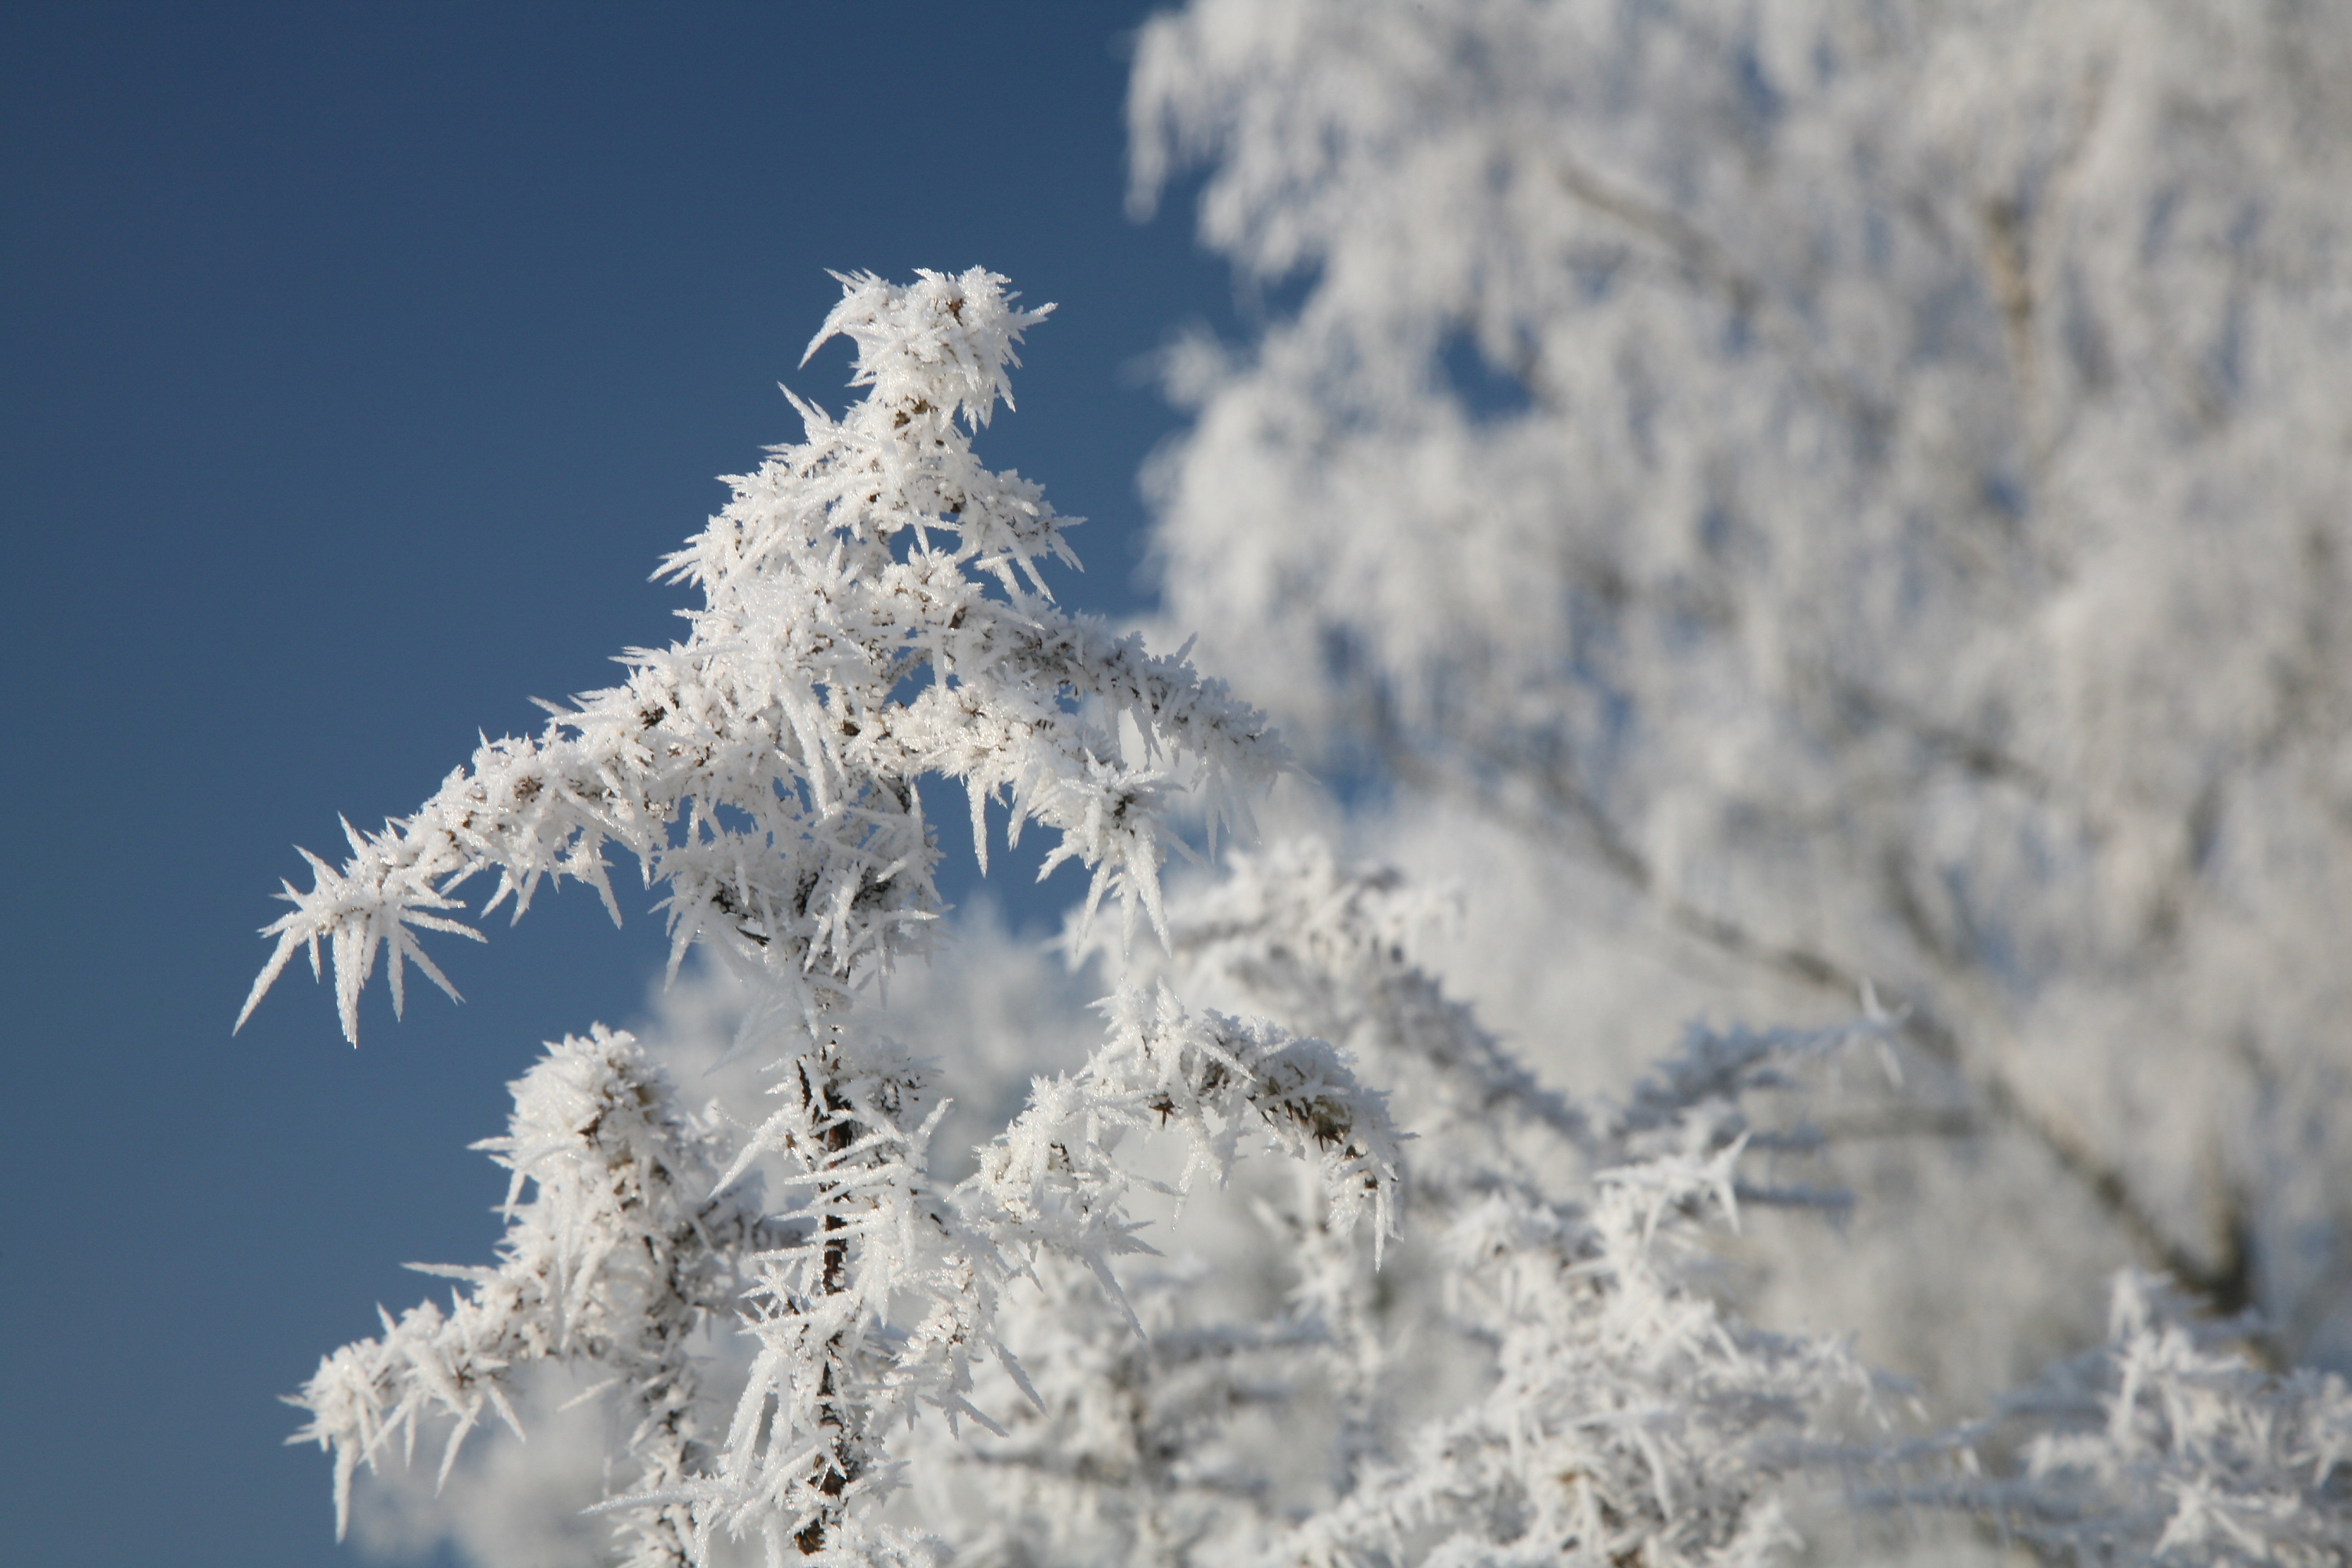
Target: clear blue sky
[(362, 359)]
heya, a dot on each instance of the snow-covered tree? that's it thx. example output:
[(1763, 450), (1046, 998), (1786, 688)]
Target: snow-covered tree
[(1858, 490), (1471, 1317), (874, 616)]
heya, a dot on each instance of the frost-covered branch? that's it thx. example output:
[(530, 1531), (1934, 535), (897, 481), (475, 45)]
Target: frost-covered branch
[(1325, 948), (874, 613), (1053, 1178), (2166, 1445), (614, 1262), (1625, 1413), (1631, 1416)]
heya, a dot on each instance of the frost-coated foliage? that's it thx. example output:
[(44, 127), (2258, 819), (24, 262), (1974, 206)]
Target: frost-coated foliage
[(1866, 482), (874, 613), (622, 1254), (1625, 1415), (2163, 1446), (763, 772), (1475, 1319)]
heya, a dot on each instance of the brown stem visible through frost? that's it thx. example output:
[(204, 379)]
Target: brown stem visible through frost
[(836, 1133)]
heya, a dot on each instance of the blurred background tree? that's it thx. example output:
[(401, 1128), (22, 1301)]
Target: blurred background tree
[(1784, 495)]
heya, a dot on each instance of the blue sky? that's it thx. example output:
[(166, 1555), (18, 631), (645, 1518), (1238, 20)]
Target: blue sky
[(362, 360)]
